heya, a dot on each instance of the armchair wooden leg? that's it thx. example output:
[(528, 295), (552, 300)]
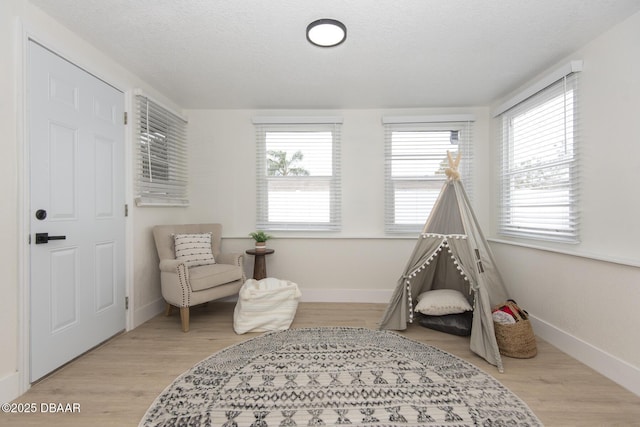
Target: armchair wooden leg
[(184, 318), (168, 309)]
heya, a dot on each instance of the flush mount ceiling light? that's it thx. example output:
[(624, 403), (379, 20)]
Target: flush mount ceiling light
[(326, 32)]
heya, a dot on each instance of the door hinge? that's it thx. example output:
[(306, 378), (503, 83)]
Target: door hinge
[(126, 210), (126, 118), (126, 303)]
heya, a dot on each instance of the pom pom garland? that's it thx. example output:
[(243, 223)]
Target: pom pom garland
[(444, 236), (410, 298)]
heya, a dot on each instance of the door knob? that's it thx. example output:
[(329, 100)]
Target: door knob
[(41, 214), (44, 238)]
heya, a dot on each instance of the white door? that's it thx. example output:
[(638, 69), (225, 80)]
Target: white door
[(77, 271)]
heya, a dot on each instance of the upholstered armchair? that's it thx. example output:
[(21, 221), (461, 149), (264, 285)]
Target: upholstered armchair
[(193, 273)]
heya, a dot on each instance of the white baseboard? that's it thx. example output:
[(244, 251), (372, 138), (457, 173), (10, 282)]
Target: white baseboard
[(154, 308), (147, 312), (619, 371), (346, 295), (9, 387)]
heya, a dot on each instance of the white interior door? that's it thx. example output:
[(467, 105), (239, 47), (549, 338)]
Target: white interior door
[(77, 271)]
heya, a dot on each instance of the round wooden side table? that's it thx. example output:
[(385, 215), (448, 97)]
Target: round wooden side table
[(259, 263)]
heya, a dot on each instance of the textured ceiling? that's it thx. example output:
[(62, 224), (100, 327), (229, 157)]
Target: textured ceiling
[(398, 53)]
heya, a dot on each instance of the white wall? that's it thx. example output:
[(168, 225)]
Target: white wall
[(9, 224), (588, 304), (18, 18), (358, 264)]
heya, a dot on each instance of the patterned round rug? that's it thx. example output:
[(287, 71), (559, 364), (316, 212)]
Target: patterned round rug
[(336, 376)]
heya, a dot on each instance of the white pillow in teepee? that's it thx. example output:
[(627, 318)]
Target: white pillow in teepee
[(194, 249), (439, 302)]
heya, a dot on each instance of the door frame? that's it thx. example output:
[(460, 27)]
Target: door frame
[(28, 34)]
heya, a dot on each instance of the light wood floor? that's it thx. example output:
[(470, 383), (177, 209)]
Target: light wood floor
[(116, 382)]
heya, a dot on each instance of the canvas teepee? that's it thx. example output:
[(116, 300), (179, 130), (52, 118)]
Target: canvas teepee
[(452, 253)]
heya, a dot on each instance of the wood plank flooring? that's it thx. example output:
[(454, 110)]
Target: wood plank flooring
[(115, 383)]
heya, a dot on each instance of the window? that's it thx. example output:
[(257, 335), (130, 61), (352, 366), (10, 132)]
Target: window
[(162, 155), (539, 168), (298, 174), (416, 157)]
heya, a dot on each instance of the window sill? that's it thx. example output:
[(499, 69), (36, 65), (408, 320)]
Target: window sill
[(331, 237), (591, 256), (161, 203)]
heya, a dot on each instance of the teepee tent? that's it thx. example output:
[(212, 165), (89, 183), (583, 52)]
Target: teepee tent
[(452, 253)]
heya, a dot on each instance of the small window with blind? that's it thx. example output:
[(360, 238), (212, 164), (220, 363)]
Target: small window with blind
[(416, 158), (298, 174), (539, 173), (162, 155)]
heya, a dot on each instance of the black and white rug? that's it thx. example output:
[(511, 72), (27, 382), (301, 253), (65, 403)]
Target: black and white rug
[(336, 376)]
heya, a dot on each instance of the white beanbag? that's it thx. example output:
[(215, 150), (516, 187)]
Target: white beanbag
[(265, 305)]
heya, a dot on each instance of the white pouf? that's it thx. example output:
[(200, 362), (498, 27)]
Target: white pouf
[(265, 305)]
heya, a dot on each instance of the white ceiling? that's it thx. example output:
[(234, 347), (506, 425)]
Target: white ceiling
[(398, 53)]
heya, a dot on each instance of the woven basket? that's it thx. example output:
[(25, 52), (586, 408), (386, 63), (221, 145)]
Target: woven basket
[(516, 339)]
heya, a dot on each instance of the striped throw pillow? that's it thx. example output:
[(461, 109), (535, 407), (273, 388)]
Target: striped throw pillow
[(194, 249)]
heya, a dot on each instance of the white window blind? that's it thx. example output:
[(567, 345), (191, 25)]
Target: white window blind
[(539, 167), (416, 158), (298, 175), (162, 155)]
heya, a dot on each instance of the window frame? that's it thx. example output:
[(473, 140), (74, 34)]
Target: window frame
[(461, 123), (563, 225), (267, 125), (161, 138)]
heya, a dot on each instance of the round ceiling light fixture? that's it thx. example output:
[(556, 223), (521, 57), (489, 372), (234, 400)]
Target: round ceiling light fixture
[(326, 32)]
